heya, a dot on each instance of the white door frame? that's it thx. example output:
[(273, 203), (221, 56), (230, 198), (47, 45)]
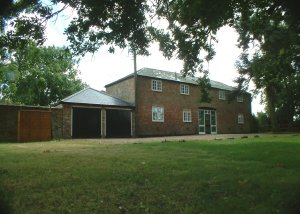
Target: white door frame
[(202, 129)]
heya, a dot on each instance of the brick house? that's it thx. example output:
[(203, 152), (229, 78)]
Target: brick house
[(149, 103), (168, 104), (94, 114), (86, 114)]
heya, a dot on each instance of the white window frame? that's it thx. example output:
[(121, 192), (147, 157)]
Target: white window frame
[(184, 89), (241, 119), (222, 95), (158, 110), (187, 116), (240, 98), (156, 85)]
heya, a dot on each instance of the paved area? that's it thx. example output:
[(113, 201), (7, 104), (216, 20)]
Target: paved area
[(170, 138)]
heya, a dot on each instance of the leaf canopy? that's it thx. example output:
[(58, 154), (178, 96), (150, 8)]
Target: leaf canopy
[(43, 76)]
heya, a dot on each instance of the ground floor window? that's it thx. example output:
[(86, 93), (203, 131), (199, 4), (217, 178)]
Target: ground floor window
[(157, 114), (240, 119), (187, 116)]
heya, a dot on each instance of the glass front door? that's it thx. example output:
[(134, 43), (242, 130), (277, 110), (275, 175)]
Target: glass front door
[(207, 121)]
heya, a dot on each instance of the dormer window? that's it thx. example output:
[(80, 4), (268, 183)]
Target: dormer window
[(222, 95), (156, 85), (184, 89)]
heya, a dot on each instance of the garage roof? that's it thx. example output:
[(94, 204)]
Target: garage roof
[(90, 96)]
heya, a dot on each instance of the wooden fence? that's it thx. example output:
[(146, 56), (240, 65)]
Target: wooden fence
[(34, 126)]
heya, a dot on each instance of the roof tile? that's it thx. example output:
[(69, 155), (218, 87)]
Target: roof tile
[(167, 75), (91, 96), (172, 76)]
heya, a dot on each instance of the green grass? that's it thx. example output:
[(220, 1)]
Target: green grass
[(254, 175)]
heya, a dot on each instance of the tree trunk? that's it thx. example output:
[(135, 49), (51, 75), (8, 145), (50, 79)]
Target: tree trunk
[(270, 98)]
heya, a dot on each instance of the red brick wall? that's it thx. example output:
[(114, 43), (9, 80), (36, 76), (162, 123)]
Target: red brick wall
[(227, 113), (174, 103)]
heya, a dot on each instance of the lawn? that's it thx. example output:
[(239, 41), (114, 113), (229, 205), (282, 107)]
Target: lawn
[(254, 175)]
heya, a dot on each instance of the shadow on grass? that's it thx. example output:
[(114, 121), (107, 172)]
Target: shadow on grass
[(291, 205), (4, 205)]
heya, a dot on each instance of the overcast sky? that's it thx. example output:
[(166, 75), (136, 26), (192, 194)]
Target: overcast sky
[(101, 68)]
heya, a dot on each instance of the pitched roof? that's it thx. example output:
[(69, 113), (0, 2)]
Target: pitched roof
[(91, 96), (173, 76)]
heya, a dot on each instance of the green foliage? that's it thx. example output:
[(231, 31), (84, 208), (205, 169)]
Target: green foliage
[(204, 85), (43, 76), (189, 32), (185, 29), (188, 26), (254, 127), (115, 23), (137, 25), (274, 66), (254, 175), (264, 123), (20, 22)]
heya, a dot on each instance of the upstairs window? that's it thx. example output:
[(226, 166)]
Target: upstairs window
[(240, 119), (187, 116), (222, 95), (184, 89), (239, 98), (156, 85), (157, 114)]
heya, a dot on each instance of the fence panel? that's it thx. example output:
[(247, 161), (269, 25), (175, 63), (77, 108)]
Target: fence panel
[(34, 126)]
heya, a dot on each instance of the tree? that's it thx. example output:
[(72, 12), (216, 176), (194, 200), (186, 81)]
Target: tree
[(190, 24), (21, 21), (188, 32), (263, 122), (43, 76), (191, 28), (274, 66)]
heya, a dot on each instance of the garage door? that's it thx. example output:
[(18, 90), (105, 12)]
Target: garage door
[(118, 123), (86, 123)]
